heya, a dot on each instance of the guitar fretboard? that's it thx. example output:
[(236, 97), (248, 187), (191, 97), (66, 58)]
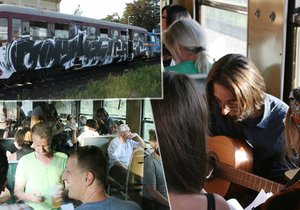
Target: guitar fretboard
[(246, 179)]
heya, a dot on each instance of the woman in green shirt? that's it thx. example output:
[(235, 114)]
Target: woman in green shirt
[(186, 41)]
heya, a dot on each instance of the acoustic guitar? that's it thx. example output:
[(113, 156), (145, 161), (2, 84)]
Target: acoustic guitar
[(230, 164)]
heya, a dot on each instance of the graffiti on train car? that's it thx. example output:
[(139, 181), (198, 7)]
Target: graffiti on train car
[(25, 54)]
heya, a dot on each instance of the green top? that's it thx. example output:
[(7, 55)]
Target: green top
[(41, 177), (185, 67)]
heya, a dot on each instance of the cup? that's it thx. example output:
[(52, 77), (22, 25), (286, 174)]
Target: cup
[(56, 196)]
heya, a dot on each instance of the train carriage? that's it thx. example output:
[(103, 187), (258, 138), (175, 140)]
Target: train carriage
[(33, 39), (153, 44)]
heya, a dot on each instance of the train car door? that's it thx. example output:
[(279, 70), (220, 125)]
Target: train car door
[(130, 44), (124, 45)]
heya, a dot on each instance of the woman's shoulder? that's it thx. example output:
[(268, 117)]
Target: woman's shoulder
[(220, 202), (185, 67)]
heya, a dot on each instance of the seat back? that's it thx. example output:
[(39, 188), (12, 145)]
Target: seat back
[(2, 131), (100, 141), (136, 167), (6, 142), (12, 167)]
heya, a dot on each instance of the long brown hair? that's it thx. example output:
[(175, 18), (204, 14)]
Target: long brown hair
[(240, 76), (181, 122)]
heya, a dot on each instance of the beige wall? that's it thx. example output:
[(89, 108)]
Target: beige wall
[(52, 5)]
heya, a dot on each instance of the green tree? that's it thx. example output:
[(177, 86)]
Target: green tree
[(78, 11), (113, 18), (143, 13)]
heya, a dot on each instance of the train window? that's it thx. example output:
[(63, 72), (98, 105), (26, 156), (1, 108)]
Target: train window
[(135, 37), (51, 30), (142, 37), (38, 30), (25, 27), (61, 31), (116, 109), (91, 33), (147, 119), (72, 31), (115, 34), (16, 28), (103, 32), (151, 39), (3, 29), (124, 35), (226, 28)]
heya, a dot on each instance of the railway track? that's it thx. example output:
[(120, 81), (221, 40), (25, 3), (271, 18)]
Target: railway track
[(54, 86)]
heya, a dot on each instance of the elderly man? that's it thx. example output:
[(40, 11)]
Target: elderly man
[(120, 150), (85, 178)]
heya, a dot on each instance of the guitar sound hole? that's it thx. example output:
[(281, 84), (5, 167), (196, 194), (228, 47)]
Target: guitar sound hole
[(211, 167)]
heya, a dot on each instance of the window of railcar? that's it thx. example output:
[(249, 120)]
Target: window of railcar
[(72, 31), (3, 29), (135, 37), (124, 35), (91, 33), (151, 38), (115, 34), (103, 32), (51, 30), (62, 31), (147, 119), (38, 30), (25, 27), (142, 36), (116, 109), (16, 28), (226, 26)]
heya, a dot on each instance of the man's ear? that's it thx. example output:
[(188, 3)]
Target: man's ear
[(89, 178)]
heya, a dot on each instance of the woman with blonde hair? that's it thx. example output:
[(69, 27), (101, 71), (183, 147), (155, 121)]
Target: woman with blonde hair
[(186, 41)]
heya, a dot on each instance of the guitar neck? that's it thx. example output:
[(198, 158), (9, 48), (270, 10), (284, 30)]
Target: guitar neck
[(246, 179)]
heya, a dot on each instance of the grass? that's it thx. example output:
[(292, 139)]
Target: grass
[(139, 82)]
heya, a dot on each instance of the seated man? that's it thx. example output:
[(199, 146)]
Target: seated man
[(104, 121), (120, 150), (85, 178), (154, 190), (3, 174)]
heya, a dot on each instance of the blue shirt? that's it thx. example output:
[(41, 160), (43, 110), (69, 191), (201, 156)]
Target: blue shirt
[(121, 152), (264, 134), (110, 203)]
